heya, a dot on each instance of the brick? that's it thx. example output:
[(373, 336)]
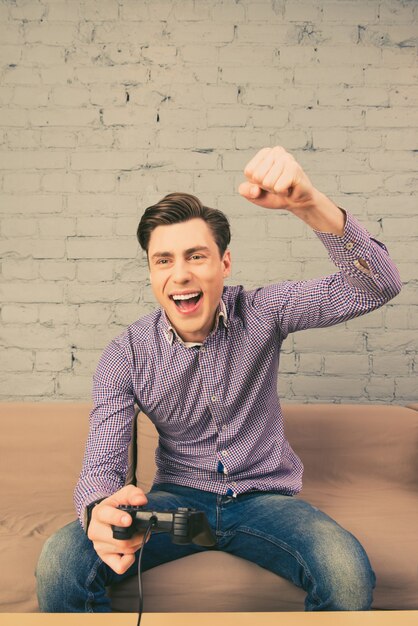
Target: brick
[(57, 75), (54, 315), (31, 159), (100, 248), (401, 226), (327, 117), (31, 292), (77, 387), (132, 74), (14, 360), (365, 139), (319, 75), (60, 182), (94, 314), (97, 181), (380, 389), (352, 11), (95, 337), (11, 33), (252, 75), (323, 340), (52, 360), (19, 314), (132, 137), (101, 203), (390, 76), (194, 53), (128, 32), (51, 33), (24, 269), (64, 11), (70, 96), (330, 139), (91, 226), (400, 160), (346, 364), (57, 138), (131, 10), (353, 96), (327, 388), (310, 363), (385, 364), (40, 55), (126, 314), (102, 95), (24, 181), (63, 117), (266, 12), (403, 139), (57, 270), (33, 336), (403, 183), (106, 160), (36, 96), (395, 341), (228, 116), (39, 385), (48, 249), (27, 11), (30, 203), (394, 12), (86, 361), (360, 183), (274, 118), (248, 228), (94, 271), (406, 389), (23, 138), (10, 55), (15, 227), (13, 117), (20, 75)]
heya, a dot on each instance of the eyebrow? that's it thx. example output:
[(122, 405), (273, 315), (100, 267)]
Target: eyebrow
[(187, 252)]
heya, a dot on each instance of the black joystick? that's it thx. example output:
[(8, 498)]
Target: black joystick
[(184, 525)]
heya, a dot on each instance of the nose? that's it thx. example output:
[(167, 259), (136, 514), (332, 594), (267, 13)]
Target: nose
[(181, 273)]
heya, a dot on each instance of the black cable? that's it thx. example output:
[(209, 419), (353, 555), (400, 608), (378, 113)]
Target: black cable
[(152, 522)]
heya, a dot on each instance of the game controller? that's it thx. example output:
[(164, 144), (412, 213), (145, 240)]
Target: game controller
[(184, 525)]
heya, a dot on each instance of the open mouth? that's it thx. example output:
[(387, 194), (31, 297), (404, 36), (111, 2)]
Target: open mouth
[(187, 302)]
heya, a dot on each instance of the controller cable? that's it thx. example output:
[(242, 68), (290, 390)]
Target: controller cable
[(152, 522)]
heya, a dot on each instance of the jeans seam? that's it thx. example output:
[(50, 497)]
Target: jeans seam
[(284, 546), (89, 581)]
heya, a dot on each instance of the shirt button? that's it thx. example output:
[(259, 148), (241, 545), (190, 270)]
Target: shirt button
[(234, 484), (349, 245), (224, 427), (224, 452), (213, 398)]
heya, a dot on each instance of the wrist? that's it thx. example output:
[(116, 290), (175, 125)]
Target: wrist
[(322, 214)]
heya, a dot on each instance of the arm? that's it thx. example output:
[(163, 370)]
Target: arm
[(106, 460), (367, 278)]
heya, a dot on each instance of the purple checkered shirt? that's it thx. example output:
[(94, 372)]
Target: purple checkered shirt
[(215, 406)]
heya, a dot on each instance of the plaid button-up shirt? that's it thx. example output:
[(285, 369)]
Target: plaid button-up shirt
[(215, 405)]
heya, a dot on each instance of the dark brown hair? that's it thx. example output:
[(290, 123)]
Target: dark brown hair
[(181, 207)]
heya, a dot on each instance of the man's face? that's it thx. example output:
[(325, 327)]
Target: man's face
[(187, 276)]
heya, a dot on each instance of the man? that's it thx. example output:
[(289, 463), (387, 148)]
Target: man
[(204, 368)]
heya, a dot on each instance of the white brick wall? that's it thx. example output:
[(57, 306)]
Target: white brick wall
[(107, 105)]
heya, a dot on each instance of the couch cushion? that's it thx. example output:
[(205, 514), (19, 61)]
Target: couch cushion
[(41, 450)]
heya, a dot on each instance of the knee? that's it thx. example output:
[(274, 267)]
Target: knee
[(348, 580), (62, 555)]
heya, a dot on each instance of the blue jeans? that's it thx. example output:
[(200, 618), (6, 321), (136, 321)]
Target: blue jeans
[(280, 533)]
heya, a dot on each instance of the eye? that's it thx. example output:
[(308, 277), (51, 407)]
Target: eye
[(196, 257), (162, 262)]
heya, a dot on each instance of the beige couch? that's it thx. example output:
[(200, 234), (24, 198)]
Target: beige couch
[(361, 467)]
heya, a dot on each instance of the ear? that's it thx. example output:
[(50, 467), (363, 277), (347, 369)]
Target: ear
[(226, 262)]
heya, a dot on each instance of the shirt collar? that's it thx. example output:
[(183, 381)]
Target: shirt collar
[(170, 332)]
